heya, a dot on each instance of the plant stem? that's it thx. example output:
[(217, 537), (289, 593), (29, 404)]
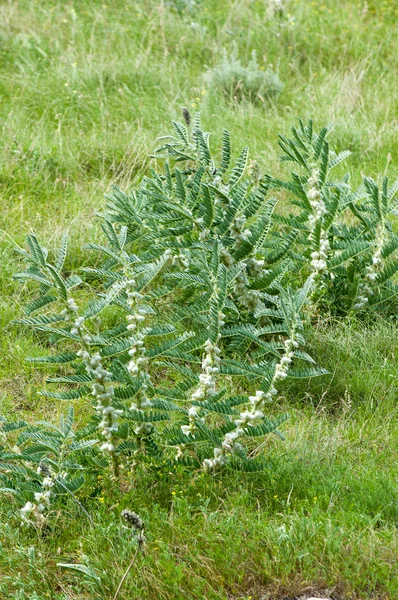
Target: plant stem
[(123, 579)]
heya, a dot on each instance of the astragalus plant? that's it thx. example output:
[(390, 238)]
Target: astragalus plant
[(177, 339), (42, 463), (343, 239), (206, 199)]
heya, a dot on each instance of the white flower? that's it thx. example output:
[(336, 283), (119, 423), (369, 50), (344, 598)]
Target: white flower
[(193, 411), (27, 509), (107, 447), (286, 360)]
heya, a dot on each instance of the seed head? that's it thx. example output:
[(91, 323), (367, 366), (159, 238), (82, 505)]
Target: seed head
[(186, 115), (133, 519), (44, 470)]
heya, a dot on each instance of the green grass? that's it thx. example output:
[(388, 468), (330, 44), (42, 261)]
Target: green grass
[(85, 88)]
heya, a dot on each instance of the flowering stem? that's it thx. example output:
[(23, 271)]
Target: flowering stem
[(372, 270), (321, 247), (41, 502), (102, 388), (138, 365), (123, 579), (253, 410), (207, 383)]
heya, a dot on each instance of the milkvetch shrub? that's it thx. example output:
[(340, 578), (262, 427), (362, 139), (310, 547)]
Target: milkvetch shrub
[(343, 238), (41, 462), (199, 279)]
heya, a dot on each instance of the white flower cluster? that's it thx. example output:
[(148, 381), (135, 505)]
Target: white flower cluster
[(211, 366), (103, 391), (274, 7), (226, 257), (256, 267), (180, 260), (177, 260), (250, 299), (207, 382), (102, 388), (253, 410), (42, 501), (70, 310), (69, 313), (204, 235), (193, 412), (137, 367), (223, 187), (371, 272), (238, 232), (319, 256)]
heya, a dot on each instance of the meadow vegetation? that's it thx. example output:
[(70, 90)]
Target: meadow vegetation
[(85, 91)]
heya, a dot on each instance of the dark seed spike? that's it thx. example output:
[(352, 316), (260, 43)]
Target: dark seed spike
[(133, 519), (186, 115), (44, 470)]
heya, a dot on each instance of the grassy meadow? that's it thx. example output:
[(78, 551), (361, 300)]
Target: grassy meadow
[(85, 90)]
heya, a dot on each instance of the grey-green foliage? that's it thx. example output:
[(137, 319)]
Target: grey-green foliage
[(148, 430), (344, 237), (238, 81), (209, 199), (202, 278), (43, 454)]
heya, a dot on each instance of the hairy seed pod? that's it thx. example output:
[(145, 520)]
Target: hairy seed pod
[(133, 519)]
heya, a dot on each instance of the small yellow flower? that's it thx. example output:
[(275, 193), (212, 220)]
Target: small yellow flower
[(276, 495), (203, 92), (193, 104), (173, 493), (101, 499)]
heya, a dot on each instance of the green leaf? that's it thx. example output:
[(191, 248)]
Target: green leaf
[(90, 573), (59, 261), (239, 167), (225, 151), (65, 357)]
